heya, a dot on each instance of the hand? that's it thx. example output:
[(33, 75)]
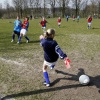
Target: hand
[(67, 62), (41, 37)]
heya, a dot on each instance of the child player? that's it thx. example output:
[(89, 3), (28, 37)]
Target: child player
[(24, 30), (89, 22), (17, 28), (43, 24), (52, 52), (59, 21)]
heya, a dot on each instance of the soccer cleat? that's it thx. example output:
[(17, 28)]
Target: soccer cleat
[(46, 84), (18, 42), (12, 40), (51, 67), (27, 41)]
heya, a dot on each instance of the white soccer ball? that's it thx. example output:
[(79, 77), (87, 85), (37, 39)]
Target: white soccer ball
[(84, 79)]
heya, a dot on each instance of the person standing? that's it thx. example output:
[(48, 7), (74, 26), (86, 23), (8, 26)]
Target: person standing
[(17, 28), (59, 21), (43, 23), (24, 30), (89, 20)]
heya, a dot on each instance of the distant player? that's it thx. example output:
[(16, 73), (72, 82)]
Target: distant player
[(59, 21), (17, 28), (78, 18), (24, 30), (67, 18), (89, 20), (73, 17), (43, 23), (52, 52)]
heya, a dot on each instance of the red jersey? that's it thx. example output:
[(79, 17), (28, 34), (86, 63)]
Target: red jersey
[(25, 25), (59, 20), (43, 23), (89, 19)]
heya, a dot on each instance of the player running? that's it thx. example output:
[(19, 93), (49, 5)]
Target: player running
[(24, 30), (52, 52), (17, 28), (89, 21), (59, 21), (43, 23)]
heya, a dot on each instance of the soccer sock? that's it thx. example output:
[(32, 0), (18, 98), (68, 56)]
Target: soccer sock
[(13, 36), (19, 39), (46, 77), (26, 37)]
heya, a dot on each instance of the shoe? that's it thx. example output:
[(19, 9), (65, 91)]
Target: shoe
[(27, 41), (51, 67), (12, 40), (18, 42), (46, 84)]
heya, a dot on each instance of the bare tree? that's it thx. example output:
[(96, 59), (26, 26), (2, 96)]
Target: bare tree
[(18, 4), (31, 6), (93, 6), (98, 8), (76, 4), (25, 7), (52, 4), (37, 6), (63, 4)]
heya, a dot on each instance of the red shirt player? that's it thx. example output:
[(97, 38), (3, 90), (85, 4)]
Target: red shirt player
[(89, 21), (59, 22), (43, 23)]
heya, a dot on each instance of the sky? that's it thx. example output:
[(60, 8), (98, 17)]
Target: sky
[(3, 2)]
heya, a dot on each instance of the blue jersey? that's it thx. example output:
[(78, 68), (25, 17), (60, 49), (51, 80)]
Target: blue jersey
[(17, 25), (51, 50)]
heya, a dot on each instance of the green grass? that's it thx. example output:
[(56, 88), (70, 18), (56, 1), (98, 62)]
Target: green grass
[(21, 65)]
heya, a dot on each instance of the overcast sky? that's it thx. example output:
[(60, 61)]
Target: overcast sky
[(10, 2), (3, 2)]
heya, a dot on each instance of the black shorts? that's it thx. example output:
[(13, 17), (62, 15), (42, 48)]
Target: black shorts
[(18, 33)]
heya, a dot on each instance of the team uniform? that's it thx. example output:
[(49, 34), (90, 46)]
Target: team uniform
[(17, 29), (52, 52), (24, 30), (59, 22), (43, 24), (89, 22)]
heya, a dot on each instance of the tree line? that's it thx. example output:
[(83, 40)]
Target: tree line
[(50, 8)]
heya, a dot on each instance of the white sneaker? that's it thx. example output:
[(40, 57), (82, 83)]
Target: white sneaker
[(46, 84), (18, 42), (12, 40), (27, 41)]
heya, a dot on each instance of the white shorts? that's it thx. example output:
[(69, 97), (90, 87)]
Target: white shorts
[(23, 31), (89, 23), (44, 27), (49, 64), (59, 23)]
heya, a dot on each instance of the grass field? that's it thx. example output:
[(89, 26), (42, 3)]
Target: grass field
[(21, 65)]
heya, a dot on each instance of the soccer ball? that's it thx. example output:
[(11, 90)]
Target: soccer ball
[(84, 79)]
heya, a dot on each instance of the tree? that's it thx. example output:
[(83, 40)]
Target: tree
[(52, 4), (63, 4), (18, 4), (76, 4)]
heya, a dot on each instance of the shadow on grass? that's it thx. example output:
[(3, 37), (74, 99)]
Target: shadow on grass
[(95, 81), (95, 28)]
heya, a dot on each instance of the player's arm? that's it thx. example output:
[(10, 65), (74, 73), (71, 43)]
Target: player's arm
[(62, 55), (41, 39)]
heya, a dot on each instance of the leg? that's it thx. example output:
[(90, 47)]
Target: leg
[(27, 39), (13, 37), (20, 37), (45, 74)]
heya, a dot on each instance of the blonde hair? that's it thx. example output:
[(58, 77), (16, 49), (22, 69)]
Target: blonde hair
[(49, 33)]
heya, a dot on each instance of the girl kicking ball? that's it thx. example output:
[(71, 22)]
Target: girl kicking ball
[(52, 52)]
